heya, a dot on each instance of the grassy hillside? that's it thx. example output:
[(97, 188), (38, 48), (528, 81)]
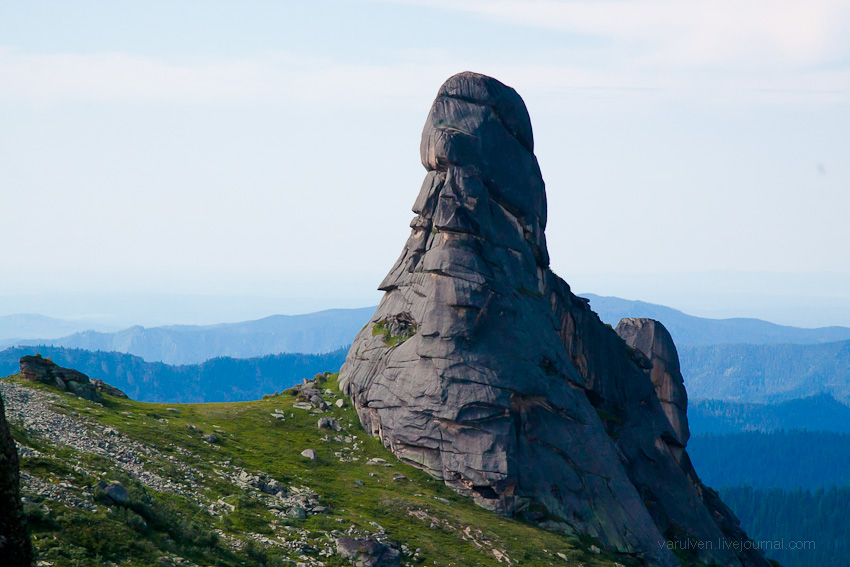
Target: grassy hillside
[(193, 500), (216, 380)]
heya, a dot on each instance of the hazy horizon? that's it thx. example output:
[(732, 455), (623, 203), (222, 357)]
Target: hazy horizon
[(769, 296)]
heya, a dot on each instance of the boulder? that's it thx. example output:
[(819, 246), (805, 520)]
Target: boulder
[(309, 454), (329, 423), (15, 545), (117, 493), (481, 367), (367, 552)]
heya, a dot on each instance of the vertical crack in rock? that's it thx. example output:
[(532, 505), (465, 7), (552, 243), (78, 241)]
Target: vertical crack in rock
[(481, 367)]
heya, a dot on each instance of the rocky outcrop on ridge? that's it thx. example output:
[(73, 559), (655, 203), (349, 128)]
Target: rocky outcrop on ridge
[(43, 370), (15, 545), (481, 366)]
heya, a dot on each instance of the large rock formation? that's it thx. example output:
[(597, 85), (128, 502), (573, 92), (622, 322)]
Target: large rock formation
[(481, 367), (15, 545), (45, 371)]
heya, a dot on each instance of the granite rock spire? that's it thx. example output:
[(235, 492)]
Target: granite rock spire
[(481, 367)]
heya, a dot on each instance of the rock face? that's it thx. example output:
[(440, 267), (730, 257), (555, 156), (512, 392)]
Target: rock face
[(481, 366), (38, 369), (653, 340), (15, 545)]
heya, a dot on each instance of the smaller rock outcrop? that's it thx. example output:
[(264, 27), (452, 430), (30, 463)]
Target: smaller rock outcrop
[(105, 388), (45, 371), (651, 339), (15, 545)]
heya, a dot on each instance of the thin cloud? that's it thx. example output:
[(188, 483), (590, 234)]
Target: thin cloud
[(693, 33), (409, 78)]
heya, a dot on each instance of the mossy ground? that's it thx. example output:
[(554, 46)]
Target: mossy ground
[(418, 511)]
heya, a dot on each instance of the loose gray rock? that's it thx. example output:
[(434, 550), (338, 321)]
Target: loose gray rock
[(309, 454), (211, 438), (296, 513), (483, 368)]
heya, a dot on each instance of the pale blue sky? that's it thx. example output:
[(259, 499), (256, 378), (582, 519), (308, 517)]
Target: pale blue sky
[(271, 148)]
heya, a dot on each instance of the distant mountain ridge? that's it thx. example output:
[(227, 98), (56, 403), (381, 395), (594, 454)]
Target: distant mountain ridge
[(324, 331), (319, 332), (216, 380), (691, 330), (767, 373)]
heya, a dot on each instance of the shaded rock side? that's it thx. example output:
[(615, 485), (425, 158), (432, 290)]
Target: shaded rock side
[(15, 545), (481, 367), (43, 370), (620, 388), (652, 339)]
